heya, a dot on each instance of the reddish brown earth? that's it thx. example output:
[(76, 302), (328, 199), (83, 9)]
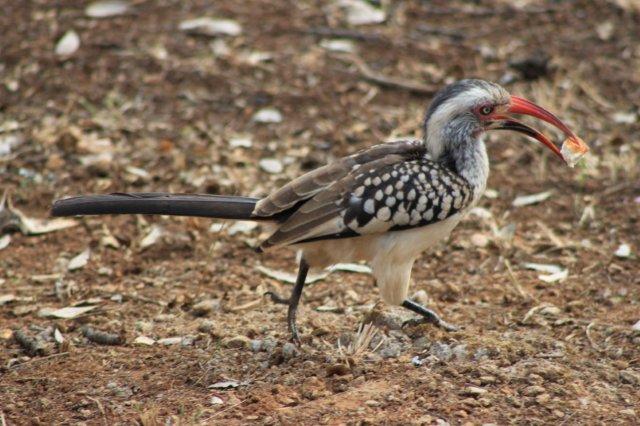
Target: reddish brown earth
[(530, 352)]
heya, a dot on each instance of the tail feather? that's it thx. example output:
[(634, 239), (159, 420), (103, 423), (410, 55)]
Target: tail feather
[(201, 205)]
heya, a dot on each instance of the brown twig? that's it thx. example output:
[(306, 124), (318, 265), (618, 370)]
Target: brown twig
[(30, 345), (346, 33), (395, 83), (34, 360), (102, 337)]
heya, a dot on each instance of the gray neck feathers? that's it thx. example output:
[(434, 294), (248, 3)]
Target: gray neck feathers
[(463, 153)]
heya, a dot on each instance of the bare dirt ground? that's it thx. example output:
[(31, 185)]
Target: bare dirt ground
[(142, 106)]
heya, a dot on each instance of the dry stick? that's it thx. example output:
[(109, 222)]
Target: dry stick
[(515, 282), (34, 360), (30, 345), (395, 83), (346, 33), (594, 345), (3, 422), (101, 337)]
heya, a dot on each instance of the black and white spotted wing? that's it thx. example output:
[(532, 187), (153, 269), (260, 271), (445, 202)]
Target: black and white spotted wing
[(388, 194)]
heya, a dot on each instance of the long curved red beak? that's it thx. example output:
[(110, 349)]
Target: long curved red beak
[(573, 148)]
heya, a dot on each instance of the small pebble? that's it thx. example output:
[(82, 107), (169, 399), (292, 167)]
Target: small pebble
[(205, 307), (206, 326), (256, 345), (237, 342), (533, 390), (442, 351), (144, 340), (271, 165), (268, 115), (168, 341), (289, 350)]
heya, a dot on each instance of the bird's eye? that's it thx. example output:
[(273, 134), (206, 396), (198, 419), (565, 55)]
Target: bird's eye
[(486, 110)]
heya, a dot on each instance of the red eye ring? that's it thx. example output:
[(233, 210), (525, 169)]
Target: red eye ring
[(486, 110)]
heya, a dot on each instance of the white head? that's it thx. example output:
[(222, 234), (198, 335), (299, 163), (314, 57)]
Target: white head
[(461, 112)]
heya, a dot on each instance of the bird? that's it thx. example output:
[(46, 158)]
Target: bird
[(385, 204)]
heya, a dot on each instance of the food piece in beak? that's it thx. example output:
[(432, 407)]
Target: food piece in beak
[(573, 148)]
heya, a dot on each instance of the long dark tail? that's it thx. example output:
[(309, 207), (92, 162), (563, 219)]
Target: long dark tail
[(202, 205)]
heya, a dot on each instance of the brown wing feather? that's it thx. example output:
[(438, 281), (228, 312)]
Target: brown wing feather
[(309, 184), (322, 214)]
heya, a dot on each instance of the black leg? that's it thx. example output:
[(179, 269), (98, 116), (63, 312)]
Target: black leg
[(427, 316), (303, 269), (293, 301)]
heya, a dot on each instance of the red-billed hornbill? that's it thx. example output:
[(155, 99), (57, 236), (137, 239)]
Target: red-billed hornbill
[(385, 204)]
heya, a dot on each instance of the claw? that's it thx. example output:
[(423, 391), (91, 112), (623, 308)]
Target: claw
[(276, 298)]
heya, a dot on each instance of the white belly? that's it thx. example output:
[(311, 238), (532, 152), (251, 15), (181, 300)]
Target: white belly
[(391, 255)]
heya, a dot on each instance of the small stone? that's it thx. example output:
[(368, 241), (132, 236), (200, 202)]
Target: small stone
[(267, 115), (205, 307), (216, 400), (144, 340), (206, 326), (636, 326), (533, 390), (623, 251), (474, 391), (372, 403), (271, 165), (211, 26), (630, 377), (390, 350), (168, 341), (144, 326), (480, 240), (442, 351), (460, 352), (543, 398), (269, 345), (237, 342), (289, 350), (240, 142), (628, 412), (421, 343), (68, 44), (256, 345), (416, 361)]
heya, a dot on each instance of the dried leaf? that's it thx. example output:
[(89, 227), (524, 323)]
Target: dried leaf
[(242, 227), (211, 26), (68, 44), (267, 115), (542, 267), (79, 261), (338, 45), (106, 9), (69, 312), (5, 241), (58, 337), (271, 165), (552, 278), (288, 277), (623, 251), (6, 298), (227, 384), (526, 200), (360, 12), (152, 237), (144, 340)]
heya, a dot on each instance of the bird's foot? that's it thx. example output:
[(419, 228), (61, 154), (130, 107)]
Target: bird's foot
[(276, 298), (439, 322), (428, 316)]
